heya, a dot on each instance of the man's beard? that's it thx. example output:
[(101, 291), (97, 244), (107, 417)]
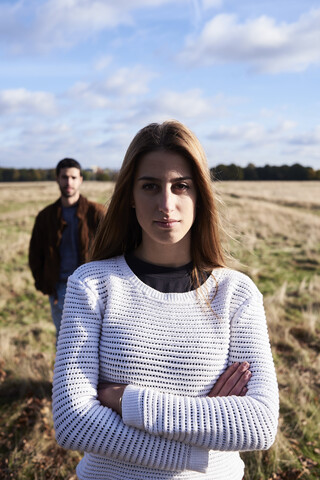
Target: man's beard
[(67, 194)]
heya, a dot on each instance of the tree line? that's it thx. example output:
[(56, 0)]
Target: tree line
[(220, 172), (268, 172), (41, 175)]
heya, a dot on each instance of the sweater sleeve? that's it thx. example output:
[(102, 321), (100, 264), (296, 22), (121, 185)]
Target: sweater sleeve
[(80, 421), (218, 423)]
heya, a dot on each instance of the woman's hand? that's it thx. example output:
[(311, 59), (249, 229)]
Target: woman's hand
[(233, 381), (110, 395)]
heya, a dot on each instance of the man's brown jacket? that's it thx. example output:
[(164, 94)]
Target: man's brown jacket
[(44, 256)]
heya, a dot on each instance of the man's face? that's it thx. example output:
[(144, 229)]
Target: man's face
[(69, 181)]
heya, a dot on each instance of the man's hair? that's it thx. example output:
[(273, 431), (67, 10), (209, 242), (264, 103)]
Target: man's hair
[(67, 163)]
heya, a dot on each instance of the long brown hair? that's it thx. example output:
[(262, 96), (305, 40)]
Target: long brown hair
[(119, 231)]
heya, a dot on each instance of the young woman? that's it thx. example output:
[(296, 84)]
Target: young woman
[(152, 378)]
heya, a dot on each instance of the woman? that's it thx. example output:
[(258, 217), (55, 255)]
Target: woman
[(152, 377)]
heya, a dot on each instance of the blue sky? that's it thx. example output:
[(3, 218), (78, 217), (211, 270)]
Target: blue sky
[(79, 78)]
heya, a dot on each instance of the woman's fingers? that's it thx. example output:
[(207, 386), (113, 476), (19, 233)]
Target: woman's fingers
[(243, 392), (237, 389), (233, 381), (223, 379)]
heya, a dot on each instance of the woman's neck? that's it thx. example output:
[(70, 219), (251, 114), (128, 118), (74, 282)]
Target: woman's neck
[(163, 255)]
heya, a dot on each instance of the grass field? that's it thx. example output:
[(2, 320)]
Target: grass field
[(271, 228)]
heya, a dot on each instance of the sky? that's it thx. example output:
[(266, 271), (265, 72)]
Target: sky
[(79, 78)]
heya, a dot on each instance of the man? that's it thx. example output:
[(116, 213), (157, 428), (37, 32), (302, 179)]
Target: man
[(61, 236)]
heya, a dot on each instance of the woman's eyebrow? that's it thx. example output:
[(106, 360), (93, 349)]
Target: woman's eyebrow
[(176, 179)]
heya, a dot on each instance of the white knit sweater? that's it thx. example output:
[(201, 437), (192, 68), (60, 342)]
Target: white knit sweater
[(170, 348)]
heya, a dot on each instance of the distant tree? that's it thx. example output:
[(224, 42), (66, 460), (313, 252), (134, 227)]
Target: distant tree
[(102, 175), (24, 175), (50, 174), (8, 174), (86, 175), (227, 172), (250, 172), (283, 172), (268, 172), (235, 172), (298, 172), (36, 174), (15, 175)]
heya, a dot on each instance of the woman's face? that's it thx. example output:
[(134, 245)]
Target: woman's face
[(164, 197)]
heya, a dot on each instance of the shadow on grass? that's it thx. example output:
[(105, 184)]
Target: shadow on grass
[(16, 389)]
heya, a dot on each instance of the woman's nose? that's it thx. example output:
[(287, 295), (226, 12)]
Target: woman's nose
[(166, 201)]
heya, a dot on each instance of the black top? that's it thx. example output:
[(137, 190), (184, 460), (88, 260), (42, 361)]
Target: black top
[(163, 279)]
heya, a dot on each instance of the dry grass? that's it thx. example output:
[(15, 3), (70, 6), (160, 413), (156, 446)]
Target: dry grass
[(272, 229)]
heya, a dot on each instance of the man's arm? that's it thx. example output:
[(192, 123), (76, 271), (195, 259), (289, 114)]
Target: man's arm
[(36, 254), (99, 213)]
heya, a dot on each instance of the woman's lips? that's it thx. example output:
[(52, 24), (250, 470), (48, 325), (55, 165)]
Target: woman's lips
[(166, 223)]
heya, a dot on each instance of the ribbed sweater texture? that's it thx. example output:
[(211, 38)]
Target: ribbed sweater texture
[(170, 348)]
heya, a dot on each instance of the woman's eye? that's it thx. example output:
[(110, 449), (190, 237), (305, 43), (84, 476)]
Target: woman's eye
[(181, 186), (149, 186)]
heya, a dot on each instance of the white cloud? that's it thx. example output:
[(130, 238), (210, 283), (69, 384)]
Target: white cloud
[(45, 131), (306, 138), (102, 63), (252, 134), (22, 101), (206, 4), (62, 23), (263, 44), (249, 132), (129, 81), (43, 25), (284, 126), (127, 110), (86, 93), (184, 106), (120, 89)]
